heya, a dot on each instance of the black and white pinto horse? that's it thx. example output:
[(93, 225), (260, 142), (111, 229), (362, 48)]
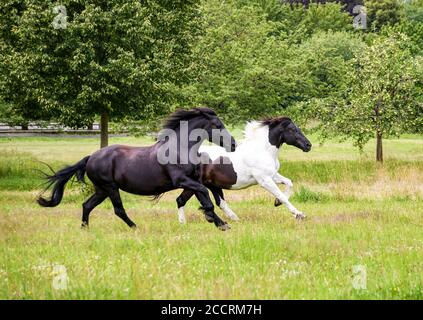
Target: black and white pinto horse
[(138, 170), (255, 161)]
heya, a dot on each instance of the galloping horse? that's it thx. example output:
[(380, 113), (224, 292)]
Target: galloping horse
[(138, 170), (255, 161)]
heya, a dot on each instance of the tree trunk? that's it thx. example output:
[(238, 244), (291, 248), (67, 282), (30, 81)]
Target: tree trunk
[(379, 149), (104, 126), (25, 126)]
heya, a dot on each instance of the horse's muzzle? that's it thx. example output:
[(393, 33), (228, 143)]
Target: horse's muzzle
[(307, 146)]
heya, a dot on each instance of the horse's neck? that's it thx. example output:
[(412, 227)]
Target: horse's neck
[(261, 146), (257, 140), (184, 141), (274, 152)]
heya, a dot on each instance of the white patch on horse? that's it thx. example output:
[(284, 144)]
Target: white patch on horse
[(224, 206), (279, 179), (181, 215)]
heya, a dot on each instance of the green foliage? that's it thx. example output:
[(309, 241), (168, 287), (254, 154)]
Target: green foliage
[(251, 63), (411, 25), (247, 59), (117, 57), (324, 59), (297, 23), (382, 94), (306, 195), (8, 115), (18, 68), (241, 63), (18, 171), (382, 13)]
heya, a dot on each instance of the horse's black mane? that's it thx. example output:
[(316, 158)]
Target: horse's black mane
[(273, 122), (173, 121)]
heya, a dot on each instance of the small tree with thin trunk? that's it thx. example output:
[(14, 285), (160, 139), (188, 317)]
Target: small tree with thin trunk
[(380, 98)]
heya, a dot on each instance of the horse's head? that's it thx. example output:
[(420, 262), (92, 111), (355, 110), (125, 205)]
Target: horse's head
[(284, 130), (207, 121)]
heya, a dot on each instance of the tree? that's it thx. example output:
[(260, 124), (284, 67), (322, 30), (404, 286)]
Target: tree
[(114, 59), (380, 98), (382, 13), (347, 4), (297, 23), (324, 60), (241, 62), (411, 25), (253, 63), (18, 80)]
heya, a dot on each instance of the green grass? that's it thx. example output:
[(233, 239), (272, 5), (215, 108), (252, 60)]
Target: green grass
[(358, 213)]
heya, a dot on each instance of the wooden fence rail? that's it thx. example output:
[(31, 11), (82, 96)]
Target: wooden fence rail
[(51, 128)]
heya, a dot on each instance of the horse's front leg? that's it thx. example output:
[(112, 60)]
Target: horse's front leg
[(267, 183), (280, 179)]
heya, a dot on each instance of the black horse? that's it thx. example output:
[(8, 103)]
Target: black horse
[(139, 170)]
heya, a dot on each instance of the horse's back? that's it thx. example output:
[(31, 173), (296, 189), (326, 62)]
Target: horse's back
[(214, 152), (132, 169), (106, 158)]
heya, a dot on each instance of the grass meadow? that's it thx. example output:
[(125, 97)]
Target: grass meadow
[(359, 215)]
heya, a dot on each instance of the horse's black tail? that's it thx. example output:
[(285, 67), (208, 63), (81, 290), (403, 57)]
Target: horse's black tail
[(59, 179)]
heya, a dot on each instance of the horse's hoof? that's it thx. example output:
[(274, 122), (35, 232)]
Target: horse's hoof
[(182, 219), (300, 216), (224, 227), (134, 227), (84, 226), (277, 202)]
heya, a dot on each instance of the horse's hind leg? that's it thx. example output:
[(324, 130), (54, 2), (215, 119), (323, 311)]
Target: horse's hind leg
[(209, 213), (114, 196), (88, 206), (181, 201)]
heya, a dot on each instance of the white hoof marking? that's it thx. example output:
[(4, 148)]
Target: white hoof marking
[(228, 211), (181, 215)]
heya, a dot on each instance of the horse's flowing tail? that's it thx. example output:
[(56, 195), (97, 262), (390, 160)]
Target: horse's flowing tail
[(59, 179)]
